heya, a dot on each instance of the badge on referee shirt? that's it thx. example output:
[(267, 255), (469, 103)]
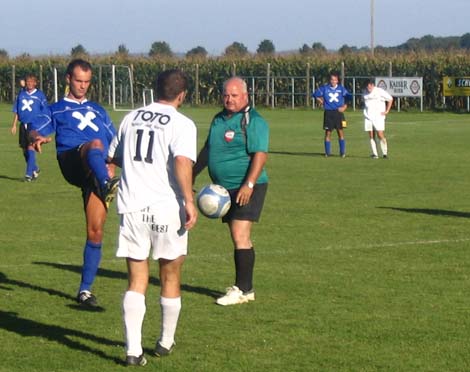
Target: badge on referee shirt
[(229, 135)]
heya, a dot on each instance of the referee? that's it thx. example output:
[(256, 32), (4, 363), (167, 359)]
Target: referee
[(235, 152)]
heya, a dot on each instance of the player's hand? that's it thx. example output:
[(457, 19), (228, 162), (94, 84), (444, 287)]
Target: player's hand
[(39, 141), (13, 130), (191, 215), (111, 170), (244, 195)]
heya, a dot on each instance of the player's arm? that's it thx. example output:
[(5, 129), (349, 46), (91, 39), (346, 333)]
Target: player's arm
[(13, 125), (347, 97), (202, 160), (389, 106), (184, 176), (258, 162)]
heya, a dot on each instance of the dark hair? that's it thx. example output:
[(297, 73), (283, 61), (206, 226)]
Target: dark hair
[(30, 76), (335, 73), (170, 83), (84, 65), (368, 81)]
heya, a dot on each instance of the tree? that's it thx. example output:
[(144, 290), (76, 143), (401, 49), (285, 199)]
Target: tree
[(305, 50), (318, 47), (3, 54), (465, 41), (236, 49), (160, 49), (266, 47), (346, 49), (78, 51), (197, 52), (122, 50)]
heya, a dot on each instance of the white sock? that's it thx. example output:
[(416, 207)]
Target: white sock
[(133, 308), (373, 146), (383, 146), (171, 308)]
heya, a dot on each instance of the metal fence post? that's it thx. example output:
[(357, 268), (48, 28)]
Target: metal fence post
[(13, 85)]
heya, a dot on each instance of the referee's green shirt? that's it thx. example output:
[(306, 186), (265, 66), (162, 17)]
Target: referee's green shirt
[(229, 149)]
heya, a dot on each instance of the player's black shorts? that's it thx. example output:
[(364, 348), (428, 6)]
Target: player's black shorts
[(332, 119), (76, 173), (23, 139), (251, 211)]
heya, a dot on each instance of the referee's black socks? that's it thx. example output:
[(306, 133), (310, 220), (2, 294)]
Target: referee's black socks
[(244, 264)]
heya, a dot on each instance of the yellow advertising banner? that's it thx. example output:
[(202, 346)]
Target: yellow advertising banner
[(456, 86)]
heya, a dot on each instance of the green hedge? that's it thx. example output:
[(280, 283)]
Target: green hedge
[(213, 71)]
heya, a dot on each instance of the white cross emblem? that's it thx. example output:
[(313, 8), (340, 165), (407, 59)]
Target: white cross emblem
[(86, 121), (333, 97), (27, 105)]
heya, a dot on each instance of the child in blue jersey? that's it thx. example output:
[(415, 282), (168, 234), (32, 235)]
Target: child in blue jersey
[(333, 97), (29, 103), (83, 132)]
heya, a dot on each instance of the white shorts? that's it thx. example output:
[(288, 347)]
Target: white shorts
[(377, 123), (159, 228)]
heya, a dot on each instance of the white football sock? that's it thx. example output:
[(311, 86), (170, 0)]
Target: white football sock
[(383, 146), (133, 307), (373, 146), (171, 308)]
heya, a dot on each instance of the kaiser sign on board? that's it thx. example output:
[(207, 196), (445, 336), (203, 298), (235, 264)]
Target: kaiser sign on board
[(401, 86)]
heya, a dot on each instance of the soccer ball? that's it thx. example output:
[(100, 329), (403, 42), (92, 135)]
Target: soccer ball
[(213, 201)]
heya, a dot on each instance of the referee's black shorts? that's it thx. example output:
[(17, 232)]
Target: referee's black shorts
[(251, 211), (332, 119)]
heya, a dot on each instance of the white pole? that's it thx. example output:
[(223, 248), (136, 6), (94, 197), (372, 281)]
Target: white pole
[(293, 93), (372, 27), (56, 86), (354, 94), (253, 91), (113, 70)]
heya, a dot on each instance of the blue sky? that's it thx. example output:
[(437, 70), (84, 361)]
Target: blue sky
[(55, 26)]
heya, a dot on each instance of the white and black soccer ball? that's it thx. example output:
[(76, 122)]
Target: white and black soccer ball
[(213, 201)]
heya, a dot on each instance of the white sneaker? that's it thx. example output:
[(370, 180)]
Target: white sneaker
[(235, 296)]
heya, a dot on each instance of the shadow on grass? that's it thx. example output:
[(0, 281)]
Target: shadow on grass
[(296, 153), (313, 154), (4, 177), (430, 211), (111, 274), (29, 328), (4, 280)]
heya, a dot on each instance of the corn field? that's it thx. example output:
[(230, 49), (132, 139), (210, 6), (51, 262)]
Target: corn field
[(207, 75)]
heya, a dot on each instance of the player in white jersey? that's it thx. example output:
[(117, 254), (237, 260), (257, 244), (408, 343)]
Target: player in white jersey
[(156, 148), (377, 105)]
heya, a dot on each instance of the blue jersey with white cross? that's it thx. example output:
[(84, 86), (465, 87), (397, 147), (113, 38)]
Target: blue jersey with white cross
[(75, 123), (29, 104), (333, 97)]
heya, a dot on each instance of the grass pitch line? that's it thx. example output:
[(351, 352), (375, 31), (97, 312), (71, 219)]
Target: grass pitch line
[(418, 242)]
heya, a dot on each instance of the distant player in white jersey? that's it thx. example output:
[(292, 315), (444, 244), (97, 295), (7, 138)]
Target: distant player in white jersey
[(156, 148), (377, 105)]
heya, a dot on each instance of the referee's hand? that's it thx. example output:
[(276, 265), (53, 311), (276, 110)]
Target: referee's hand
[(244, 195)]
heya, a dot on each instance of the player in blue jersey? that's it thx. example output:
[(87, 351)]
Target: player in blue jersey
[(83, 131), (29, 103), (333, 98)]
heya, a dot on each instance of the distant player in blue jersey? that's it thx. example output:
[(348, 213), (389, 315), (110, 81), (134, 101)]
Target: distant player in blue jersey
[(83, 132), (333, 98), (29, 103)]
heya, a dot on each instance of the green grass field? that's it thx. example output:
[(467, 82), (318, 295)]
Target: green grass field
[(362, 264)]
